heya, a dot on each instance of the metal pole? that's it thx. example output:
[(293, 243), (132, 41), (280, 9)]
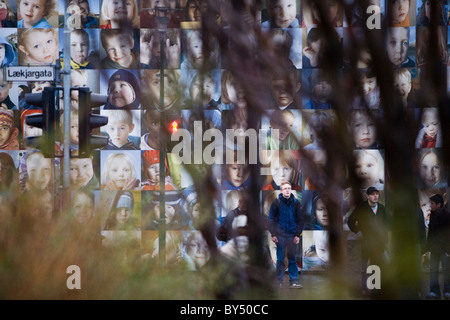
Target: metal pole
[(162, 28), (66, 73)]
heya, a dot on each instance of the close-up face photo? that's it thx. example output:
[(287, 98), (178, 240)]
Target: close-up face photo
[(40, 171), (79, 48), (364, 130), (120, 9), (281, 171), (41, 47), (369, 167), (120, 172), (121, 93), (237, 173), (284, 12), (83, 207), (399, 11), (430, 169), (81, 172), (397, 44), (32, 11), (171, 89)]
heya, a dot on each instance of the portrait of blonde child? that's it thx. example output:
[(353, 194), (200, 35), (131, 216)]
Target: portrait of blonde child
[(369, 168), (35, 13), (403, 87), (119, 14), (119, 128), (194, 52), (119, 172), (430, 135), (432, 173), (8, 132), (38, 46)]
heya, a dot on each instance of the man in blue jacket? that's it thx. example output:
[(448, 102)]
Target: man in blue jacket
[(285, 226)]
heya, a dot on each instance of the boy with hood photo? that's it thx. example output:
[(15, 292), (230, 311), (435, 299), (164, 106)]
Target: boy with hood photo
[(7, 53)]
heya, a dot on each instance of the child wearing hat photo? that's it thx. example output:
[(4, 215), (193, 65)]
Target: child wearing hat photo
[(172, 212), (122, 215), (151, 171), (8, 55), (8, 132), (123, 91)]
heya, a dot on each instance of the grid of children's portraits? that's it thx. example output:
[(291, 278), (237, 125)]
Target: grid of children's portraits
[(116, 51)]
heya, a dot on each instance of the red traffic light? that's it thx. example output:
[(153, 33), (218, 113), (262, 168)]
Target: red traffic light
[(173, 126)]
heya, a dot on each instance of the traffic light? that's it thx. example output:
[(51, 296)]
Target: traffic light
[(48, 121), (173, 122), (87, 121)]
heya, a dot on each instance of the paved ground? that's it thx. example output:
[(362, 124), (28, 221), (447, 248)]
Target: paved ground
[(319, 286)]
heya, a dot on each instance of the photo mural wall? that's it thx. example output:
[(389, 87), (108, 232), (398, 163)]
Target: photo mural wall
[(116, 51)]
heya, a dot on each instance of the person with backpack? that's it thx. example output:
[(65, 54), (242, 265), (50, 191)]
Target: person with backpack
[(285, 226)]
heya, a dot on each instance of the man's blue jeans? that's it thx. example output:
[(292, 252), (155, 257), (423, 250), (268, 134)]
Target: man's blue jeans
[(435, 258), (286, 247)]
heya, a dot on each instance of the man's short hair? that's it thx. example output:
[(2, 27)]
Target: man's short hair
[(437, 198), (371, 190), (286, 182)]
